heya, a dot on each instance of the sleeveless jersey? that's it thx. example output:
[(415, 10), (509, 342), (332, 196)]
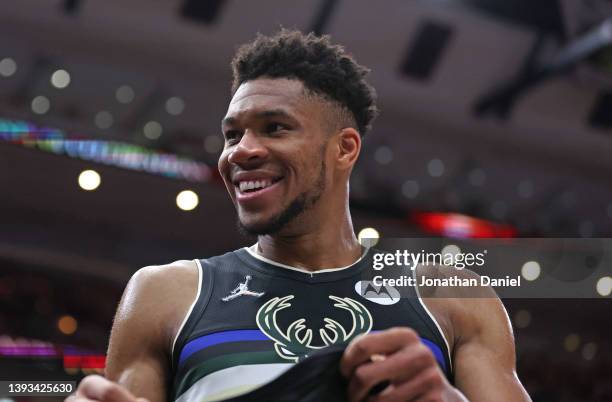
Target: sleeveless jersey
[(254, 318)]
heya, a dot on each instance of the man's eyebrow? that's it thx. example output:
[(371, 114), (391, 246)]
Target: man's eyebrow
[(273, 113), (260, 115), (228, 121)]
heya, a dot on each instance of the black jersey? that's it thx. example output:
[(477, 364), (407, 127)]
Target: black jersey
[(254, 318)]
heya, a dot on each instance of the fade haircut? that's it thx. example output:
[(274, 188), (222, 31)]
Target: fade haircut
[(324, 69)]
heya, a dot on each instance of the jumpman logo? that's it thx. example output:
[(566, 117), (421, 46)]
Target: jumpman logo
[(242, 290)]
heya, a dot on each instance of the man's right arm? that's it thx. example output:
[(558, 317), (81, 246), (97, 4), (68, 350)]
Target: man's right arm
[(149, 314)]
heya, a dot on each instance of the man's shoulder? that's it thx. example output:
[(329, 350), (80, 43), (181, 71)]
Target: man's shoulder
[(454, 300), (165, 274), (449, 282), (180, 269), (456, 291), (152, 287), (157, 297)]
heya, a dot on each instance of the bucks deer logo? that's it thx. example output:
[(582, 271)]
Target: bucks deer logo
[(296, 342)]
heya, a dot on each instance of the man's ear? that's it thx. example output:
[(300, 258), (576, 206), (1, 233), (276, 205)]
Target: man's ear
[(349, 146)]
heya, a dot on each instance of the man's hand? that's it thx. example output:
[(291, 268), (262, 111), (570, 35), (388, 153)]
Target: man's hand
[(98, 388), (398, 358)]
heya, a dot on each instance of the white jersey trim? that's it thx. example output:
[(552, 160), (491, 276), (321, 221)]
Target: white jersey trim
[(188, 311), (253, 251), (433, 318)]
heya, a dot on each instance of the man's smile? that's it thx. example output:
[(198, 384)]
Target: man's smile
[(252, 185)]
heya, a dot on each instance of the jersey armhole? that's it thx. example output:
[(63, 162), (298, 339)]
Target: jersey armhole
[(196, 309), (437, 325)]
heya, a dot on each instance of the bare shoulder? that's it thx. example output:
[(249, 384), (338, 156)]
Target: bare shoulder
[(165, 291), (459, 309), (154, 301), (157, 285), (152, 308), (445, 281), (166, 278), (479, 333)]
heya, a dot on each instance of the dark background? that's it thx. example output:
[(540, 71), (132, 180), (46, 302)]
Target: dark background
[(477, 119)]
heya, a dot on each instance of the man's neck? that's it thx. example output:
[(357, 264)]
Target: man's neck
[(315, 250)]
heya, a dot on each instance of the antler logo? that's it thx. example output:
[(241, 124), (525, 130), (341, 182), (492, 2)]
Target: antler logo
[(295, 343)]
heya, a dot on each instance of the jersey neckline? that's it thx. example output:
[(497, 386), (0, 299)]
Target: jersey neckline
[(263, 264)]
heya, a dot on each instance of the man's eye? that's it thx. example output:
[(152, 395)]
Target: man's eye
[(274, 127), (231, 135)]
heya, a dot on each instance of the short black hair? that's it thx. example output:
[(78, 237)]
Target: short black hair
[(324, 68)]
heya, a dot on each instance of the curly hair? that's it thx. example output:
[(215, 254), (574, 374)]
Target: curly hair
[(325, 69)]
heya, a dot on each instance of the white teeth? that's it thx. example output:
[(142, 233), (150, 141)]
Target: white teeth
[(254, 184)]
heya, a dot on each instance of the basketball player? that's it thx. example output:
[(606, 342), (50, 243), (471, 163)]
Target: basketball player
[(209, 329)]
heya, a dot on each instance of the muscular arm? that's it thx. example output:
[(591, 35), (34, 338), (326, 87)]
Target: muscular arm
[(484, 355), (483, 345), (149, 314), (480, 338)]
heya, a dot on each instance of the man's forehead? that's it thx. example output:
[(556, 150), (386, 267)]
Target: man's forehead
[(263, 94)]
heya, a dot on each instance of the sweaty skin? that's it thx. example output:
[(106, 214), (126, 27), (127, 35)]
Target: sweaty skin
[(274, 131)]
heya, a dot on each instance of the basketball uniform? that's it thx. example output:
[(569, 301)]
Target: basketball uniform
[(254, 318)]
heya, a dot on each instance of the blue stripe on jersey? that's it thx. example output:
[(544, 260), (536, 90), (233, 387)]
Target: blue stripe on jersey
[(221, 337), (240, 335), (435, 349)]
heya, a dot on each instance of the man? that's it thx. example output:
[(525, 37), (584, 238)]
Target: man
[(214, 328)]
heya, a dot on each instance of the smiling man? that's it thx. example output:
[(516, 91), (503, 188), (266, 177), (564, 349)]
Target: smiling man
[(210, 329)]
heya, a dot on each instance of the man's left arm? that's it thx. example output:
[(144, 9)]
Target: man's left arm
[(484, 359), (484, 353)]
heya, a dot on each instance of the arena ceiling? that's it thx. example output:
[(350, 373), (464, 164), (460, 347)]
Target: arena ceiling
[(544, 166)]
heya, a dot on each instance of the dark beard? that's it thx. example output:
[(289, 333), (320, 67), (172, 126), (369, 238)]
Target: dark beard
[(301, 203)]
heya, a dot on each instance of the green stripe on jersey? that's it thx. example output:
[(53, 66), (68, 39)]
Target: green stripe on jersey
[(223, 362)]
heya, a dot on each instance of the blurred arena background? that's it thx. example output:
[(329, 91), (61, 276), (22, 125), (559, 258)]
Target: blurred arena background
[(496, 121)]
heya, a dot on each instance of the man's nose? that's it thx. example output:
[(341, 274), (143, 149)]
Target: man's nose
[(249, 150)]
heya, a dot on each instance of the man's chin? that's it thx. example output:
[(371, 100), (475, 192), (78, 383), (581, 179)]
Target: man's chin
[(257, 228), (268, 226), (256, 224)]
